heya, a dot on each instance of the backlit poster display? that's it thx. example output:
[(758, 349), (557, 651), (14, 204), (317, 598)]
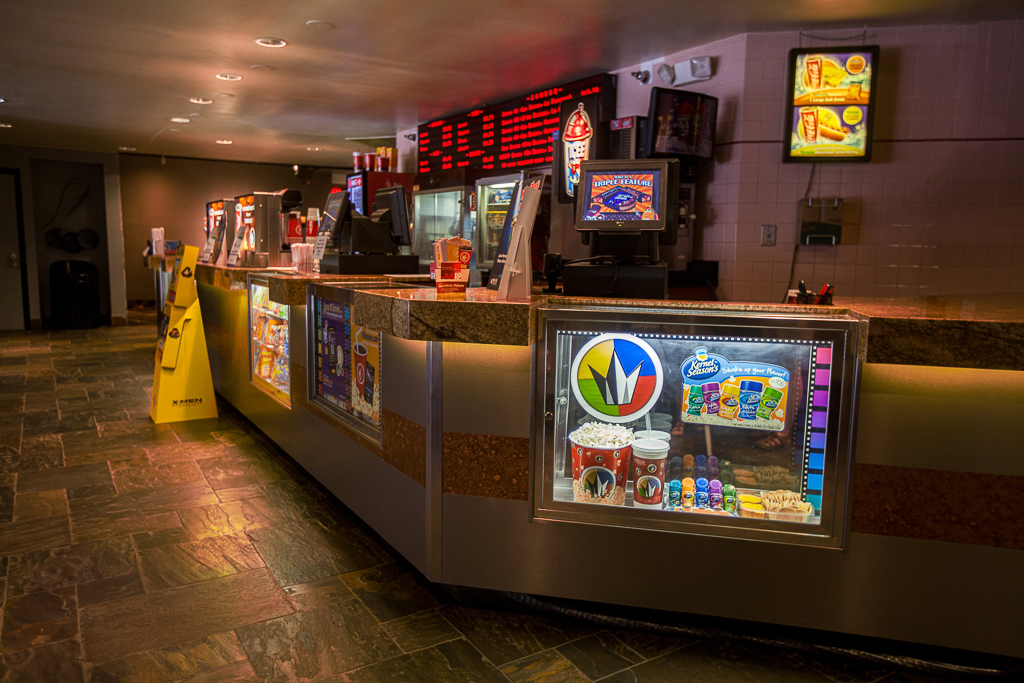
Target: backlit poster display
[(830, 104)]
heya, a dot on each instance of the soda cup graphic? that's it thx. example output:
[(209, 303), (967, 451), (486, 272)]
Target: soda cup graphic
[(809, 119), (359, 360), (575, 147), (812, 65)]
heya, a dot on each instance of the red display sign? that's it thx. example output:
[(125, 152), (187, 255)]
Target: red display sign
[(512, 134)]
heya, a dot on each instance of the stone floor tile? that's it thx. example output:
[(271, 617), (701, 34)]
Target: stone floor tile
[(506, 636), (33, 534), (39, 504), (229, 472), (133, 475), (152, 501), (174, 662), (113, 588), (454, 662), (318, 593), (651, 645), (176, 565), (80, 563), (96, 528), (239, 672), (166, 454), (227, 518), (390, 591), (39, 618), (47, 663), (544, 667), (116, 629), (7, 488), (421, 630), (64, 478), (146, 540), (316, 643), (37, 453), (599, 655), (305, 551)]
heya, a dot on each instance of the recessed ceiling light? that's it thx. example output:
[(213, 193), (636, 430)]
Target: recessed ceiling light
[(225, 94), (2, 100), (262, 67), (312, 149), (229, 77), (223, 142), (194, 113), (173, 130), (271, 42), (6, 125), (316, 23), (199, 100), (180, 119), (126, 149)]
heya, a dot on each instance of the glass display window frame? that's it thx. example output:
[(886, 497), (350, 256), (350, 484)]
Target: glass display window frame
[(275, 392), (552, 404)]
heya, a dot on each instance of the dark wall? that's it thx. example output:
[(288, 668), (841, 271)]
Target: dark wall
[(173, 195), (67, 197)]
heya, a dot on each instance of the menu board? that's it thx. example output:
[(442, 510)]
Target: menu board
[(830, 107), (347, 363), (512, 134)]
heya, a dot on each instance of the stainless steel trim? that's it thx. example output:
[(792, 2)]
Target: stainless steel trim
[(841, 330), (435, 442)]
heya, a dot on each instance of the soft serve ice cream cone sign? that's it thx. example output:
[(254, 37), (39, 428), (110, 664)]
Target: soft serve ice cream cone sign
[(575, 147)]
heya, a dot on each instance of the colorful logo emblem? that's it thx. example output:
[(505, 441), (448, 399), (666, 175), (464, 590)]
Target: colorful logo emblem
[(617, 377), (598, 481)]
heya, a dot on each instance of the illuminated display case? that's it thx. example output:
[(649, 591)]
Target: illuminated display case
[(718, 424), (493, 202), (436, 214), (344, 377), (268, 343)]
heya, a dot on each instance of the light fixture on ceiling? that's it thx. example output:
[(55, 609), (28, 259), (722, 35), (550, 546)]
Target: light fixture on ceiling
[(295, 167), (6, 125), (2, 100), (316, 23), (225, 94), (262, 67), (180, 119), (223, 142), (200, 100), (271, 42), (643, 76), (173, 130), (229, 77), (126, 149), (312, 149)]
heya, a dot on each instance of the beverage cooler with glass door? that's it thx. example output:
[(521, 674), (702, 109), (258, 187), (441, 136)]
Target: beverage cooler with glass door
[(268, 343), (439, 212), (493, 202)]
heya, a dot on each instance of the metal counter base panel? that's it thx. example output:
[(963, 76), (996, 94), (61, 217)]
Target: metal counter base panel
[(337, 462), (881, 586)]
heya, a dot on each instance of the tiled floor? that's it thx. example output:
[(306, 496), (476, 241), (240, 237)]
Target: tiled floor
[(197, 552)]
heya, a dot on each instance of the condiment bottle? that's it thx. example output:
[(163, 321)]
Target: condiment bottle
[(694, 399), (730, 402), (725, 469), (713, 468), (700, 467), (675, 485), (687, 465), (715, 495), (750, 399), (769, 402), (712, 395), (689, 492)]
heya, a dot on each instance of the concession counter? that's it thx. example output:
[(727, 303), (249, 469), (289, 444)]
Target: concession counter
[(828, 467)]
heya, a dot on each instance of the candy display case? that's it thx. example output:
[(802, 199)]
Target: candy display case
[(715, 424), (268, 343)]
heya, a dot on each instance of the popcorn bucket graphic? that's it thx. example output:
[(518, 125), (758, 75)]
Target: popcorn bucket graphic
[(576, 147)]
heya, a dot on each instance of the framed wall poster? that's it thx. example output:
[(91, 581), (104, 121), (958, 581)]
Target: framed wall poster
[(830, 104)]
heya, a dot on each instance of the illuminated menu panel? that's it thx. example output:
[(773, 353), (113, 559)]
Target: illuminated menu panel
[(509, 135)]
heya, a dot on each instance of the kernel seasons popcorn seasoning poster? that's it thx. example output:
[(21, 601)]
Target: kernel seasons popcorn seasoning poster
[(733, 393), (831, 109)]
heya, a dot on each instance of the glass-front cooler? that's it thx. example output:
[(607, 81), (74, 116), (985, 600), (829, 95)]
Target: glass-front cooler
[(438, 213), (344, 377), (718, 424), (493, 202), (268, 343)]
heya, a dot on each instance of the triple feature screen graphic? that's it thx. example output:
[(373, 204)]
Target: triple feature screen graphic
[(623, 196), (830, 112)]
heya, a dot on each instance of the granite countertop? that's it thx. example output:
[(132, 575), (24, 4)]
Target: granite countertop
[(984, 332), (224, 277)]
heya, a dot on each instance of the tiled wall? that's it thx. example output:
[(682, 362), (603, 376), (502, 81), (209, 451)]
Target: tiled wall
[(940, 209)]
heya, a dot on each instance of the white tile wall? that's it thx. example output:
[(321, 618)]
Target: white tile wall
[(940, 209)]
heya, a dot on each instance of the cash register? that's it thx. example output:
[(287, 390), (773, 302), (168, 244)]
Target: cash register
[(626, 210), (368, 244)]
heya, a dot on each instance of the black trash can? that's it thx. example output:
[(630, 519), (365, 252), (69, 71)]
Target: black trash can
[(74, 295)]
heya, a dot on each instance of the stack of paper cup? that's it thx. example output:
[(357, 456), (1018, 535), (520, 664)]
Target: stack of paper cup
[(156, 236), (302, 257)]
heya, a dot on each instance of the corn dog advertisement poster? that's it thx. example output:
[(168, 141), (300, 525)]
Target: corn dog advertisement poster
[(831, 106)]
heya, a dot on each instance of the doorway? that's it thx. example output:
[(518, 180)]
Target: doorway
[(14, 313)]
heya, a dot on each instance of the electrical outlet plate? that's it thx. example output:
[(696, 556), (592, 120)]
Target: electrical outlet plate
[(767, 235)]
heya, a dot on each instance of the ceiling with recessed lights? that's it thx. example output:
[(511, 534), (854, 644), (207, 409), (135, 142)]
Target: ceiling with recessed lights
[(288, 82)]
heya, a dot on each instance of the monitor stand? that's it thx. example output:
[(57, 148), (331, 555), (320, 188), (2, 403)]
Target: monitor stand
[(624, 280)]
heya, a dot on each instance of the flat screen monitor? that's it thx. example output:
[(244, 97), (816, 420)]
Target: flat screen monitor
[(336, 213), (830, 104), (623, 196), (681, 125), (393, 199)]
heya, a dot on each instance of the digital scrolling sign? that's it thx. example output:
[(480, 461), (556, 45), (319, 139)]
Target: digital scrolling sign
[(512, 134)]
